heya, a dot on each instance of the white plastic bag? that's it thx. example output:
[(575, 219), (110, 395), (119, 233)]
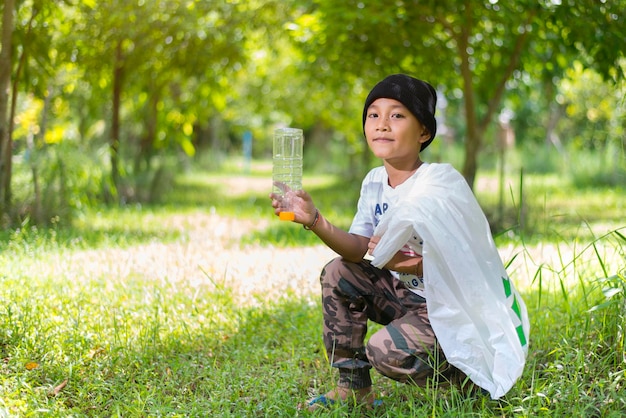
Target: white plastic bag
[(479, 318)]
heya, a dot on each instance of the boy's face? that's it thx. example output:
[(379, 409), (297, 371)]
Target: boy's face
[(393, 133)]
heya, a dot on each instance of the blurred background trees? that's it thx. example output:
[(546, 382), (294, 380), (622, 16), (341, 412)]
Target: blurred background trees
[(105, 101)]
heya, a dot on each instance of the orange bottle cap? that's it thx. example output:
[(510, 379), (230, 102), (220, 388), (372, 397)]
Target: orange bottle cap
[(286, 216)]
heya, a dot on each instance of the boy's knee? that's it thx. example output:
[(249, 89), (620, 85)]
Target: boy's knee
[(380, 351), (332, 271)]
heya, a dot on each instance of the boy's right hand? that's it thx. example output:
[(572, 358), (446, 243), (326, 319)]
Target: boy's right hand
[(301, 203)]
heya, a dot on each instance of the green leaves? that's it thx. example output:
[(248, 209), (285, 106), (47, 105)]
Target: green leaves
[(226, 67)]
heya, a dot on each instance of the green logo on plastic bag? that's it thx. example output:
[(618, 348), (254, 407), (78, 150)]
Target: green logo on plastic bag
[(506, 283)]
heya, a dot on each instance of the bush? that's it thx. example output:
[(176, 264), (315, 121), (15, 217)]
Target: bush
[(56, 183)]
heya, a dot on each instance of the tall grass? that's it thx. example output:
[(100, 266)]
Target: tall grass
[(115, 341)]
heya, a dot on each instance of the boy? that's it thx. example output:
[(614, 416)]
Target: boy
[(398, 122)]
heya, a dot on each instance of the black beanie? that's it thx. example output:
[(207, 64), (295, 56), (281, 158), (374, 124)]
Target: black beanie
[(418, 96)]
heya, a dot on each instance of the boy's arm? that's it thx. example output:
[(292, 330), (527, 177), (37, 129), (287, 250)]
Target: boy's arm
[(403, 263), (400, 262), (352, 247)]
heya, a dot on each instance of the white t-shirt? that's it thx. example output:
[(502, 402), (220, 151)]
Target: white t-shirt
[(375, 199)]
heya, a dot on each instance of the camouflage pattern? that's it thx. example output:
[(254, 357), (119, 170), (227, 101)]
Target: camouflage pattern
[(405, 350)]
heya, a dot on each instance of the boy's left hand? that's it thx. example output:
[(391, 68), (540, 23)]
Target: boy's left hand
[(400, 262), (372, 244)]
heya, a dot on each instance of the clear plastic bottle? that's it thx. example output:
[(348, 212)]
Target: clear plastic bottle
[(287, 167)]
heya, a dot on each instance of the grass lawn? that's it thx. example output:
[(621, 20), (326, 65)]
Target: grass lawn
[(208, 306)]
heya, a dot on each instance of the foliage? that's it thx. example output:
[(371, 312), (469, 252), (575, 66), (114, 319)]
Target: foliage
[(593, 168), (473, 50), (597, 109), (143, 88)]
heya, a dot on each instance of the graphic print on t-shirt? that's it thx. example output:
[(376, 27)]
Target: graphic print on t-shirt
[(376, 198)]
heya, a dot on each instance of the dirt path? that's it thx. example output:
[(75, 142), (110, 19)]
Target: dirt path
[(208, 254)]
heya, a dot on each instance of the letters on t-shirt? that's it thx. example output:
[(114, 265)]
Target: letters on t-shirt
[(378, 211)]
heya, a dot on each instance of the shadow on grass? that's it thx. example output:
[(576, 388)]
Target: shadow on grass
[(190, 193), (172, 354), (229, 361), (261, 363), (571, 348), (84, 236), (263, 366)]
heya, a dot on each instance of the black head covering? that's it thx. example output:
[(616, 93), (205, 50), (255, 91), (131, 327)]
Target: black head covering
[(418, 96)]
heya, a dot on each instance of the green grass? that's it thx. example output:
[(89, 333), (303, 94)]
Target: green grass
[(552, 207), (115, 342)]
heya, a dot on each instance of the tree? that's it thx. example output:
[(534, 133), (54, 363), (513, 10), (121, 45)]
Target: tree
[(164, 63), (6, 66), (31, 68), (476, 48)]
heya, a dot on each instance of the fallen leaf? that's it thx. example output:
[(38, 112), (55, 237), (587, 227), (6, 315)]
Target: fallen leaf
[(31, 365)]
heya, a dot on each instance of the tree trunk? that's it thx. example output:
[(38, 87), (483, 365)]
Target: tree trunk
[(6, 66), (31, 144), (21, 63), (114, 146), (476, 128), (473, 136), (146, 144)]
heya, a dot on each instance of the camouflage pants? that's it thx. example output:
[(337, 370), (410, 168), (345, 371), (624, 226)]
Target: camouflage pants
[(404, 350)]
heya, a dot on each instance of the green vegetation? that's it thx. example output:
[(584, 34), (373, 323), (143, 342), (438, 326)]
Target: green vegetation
[(106, 102), (89, 326)]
